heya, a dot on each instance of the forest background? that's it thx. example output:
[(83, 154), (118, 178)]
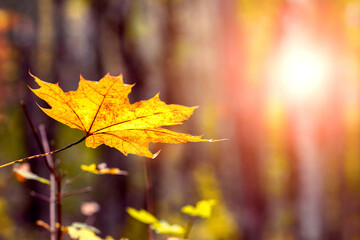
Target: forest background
[(278, 78)]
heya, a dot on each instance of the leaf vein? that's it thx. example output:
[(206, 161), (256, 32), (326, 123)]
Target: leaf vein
[(122, 139), (101, 104), (129, 120), (67, 104)]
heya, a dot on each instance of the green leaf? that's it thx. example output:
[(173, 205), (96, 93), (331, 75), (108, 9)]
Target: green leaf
[(163, 227), (141, 215), (31, 176), (202, 209)]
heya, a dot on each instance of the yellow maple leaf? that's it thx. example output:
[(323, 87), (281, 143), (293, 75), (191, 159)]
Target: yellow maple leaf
[(103, 111)]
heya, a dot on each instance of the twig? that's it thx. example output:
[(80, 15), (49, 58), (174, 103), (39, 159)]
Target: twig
[(74, 179), (6, 184), (43, 145), (148, 195), (40, 196), (188, 227), (43, 224), (76, 191), (44, 154), (59, 208), (36, 135), (90, 220), (53, 178)]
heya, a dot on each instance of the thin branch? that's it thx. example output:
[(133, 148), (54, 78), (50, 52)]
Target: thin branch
[(188, 227), (74, 179), (53, 178), (44, 154), (148, 195), (90, 220), (6, 184), (59, 208), (36, 135), (76, 191), (40, 196)]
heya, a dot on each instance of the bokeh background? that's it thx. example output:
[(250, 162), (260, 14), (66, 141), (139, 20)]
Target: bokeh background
[(280, 79)]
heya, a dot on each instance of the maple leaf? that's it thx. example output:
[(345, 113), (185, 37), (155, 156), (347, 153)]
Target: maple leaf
[(103, 111)]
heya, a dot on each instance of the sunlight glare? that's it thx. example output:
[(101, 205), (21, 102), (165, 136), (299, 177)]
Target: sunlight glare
[(302, 69)]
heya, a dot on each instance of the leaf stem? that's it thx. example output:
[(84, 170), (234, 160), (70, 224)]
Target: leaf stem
[(44, 154), (188, 227)]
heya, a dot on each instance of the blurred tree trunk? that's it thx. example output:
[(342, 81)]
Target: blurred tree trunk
[(98, 8), (170, 40), (244, 102), (135, 66), (60, 50), (23, 39)]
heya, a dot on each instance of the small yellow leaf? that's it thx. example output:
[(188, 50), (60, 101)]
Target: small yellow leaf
[(82, 234), (31, 176), (163, 227), (90, 168), (93, 168), (114, 171), (141, 215), (202, 209), (24, 167), (81, 231)]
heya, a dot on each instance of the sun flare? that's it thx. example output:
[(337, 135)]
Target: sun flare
[(302, 70)]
